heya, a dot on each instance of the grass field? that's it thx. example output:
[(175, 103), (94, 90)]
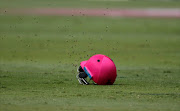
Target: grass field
[(39, 56), (91, 3)]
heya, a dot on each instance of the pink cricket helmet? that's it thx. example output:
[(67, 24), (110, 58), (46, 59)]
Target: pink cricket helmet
[(101, 69)]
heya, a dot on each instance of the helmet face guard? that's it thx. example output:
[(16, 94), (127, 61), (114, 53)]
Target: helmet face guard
[(82, 76)]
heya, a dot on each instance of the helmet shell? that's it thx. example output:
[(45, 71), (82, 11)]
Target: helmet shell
[(101, 69)]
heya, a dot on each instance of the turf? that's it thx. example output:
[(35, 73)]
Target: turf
[(91, 3), (39, 56)]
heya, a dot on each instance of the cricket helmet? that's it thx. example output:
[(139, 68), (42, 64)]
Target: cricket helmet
[(99, 68)]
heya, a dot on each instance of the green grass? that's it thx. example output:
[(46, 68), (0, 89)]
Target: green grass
[(91, 3), (39, 57), (128, 41)]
